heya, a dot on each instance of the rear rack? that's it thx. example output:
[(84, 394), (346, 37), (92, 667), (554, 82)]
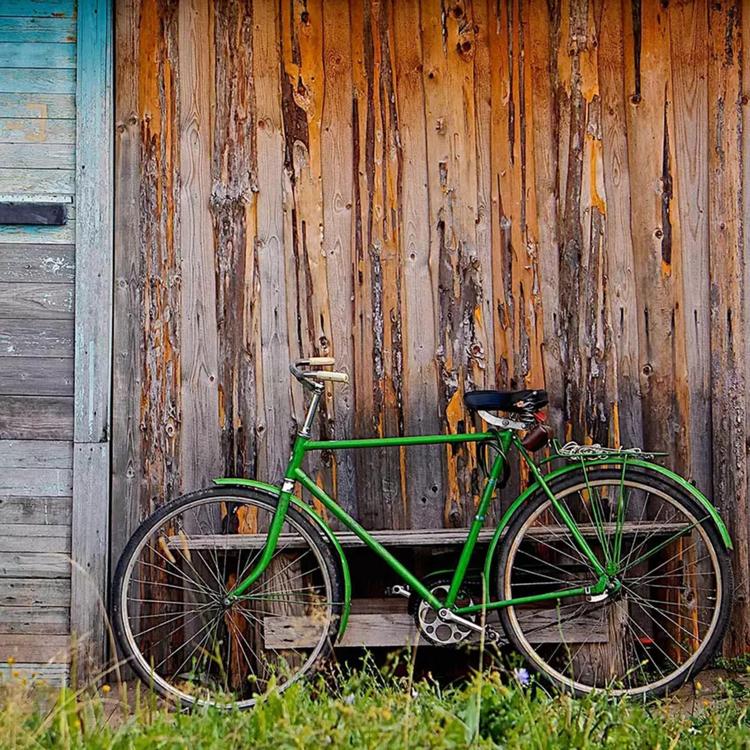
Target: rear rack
[(572, 451)]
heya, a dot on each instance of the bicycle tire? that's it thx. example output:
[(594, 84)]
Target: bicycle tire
[(123, 627), (671, 492)]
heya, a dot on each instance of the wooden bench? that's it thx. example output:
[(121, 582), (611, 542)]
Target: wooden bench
[(376, 623), (385, 622), (405, 538)]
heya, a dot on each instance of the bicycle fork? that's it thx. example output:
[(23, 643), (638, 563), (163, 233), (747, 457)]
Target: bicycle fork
[(285, 499)]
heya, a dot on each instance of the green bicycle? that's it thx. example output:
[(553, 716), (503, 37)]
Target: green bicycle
[(609, 572)]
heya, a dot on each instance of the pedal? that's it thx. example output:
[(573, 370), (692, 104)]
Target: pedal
[(597, 597), (398, 590)]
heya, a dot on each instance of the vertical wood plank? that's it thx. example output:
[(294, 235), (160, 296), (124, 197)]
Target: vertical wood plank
[(627, 422), (233, 195), (302, 99), (90, 514), (443, 196), (424, 466), (90, 555), (94, 225), (739, 644), (727, 262), (377, 297), (337, 185), (127, 359), (274, 426), (689, 57), (199, 445), (543, 21), (158, 286), (448, 44), (649, 137)]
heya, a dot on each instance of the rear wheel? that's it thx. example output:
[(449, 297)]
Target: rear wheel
[(169, 592), (670, 602)]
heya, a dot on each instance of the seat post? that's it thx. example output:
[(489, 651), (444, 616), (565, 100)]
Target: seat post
[(312, 409)]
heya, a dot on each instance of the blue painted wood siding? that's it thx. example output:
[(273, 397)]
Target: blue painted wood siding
[(37, 271), (37, 107)]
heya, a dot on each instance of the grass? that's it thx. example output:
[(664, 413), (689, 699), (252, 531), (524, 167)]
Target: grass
[(367, 708)]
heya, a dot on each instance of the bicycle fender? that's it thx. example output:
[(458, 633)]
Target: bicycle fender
[(693, 491), (271, 489)]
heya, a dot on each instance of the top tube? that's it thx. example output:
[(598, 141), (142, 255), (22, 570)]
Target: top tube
[(384, 442)]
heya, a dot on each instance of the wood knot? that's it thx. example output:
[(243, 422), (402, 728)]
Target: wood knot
[(476, 351)]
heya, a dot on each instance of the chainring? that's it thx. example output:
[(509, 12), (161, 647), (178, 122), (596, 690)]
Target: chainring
[(431, 627)]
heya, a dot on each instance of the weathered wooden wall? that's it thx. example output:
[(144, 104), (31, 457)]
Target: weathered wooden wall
[(38, 59), (444, 195)]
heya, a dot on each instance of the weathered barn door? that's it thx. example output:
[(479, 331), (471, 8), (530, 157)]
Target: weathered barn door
[(55, 259), (443, 195)]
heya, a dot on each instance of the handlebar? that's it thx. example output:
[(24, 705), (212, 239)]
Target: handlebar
[(316, 362), (314, 379)]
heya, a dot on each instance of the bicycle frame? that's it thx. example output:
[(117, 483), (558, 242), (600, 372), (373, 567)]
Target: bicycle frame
[(503, 440)]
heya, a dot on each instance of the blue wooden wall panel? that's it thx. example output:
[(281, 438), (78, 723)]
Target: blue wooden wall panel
[(41, 80), (37, 181), (37, 235), (38, 106), (65, 8), (37, 55), (34, 130), (31, 29), (37, 157)]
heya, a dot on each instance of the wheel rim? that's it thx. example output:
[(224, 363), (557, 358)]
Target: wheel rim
[(178, 626), (659, 621)]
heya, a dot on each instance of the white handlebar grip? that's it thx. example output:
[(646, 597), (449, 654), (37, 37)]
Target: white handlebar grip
[(336, 377)]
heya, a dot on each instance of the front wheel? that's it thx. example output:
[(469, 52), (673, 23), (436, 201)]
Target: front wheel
[(175, 624), (670, 597)]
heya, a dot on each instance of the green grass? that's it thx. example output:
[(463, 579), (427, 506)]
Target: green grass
[(368, 708)]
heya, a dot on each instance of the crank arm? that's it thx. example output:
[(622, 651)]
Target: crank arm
[(447, 616)]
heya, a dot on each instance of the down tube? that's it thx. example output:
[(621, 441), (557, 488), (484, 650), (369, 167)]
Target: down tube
[(362, 533)]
